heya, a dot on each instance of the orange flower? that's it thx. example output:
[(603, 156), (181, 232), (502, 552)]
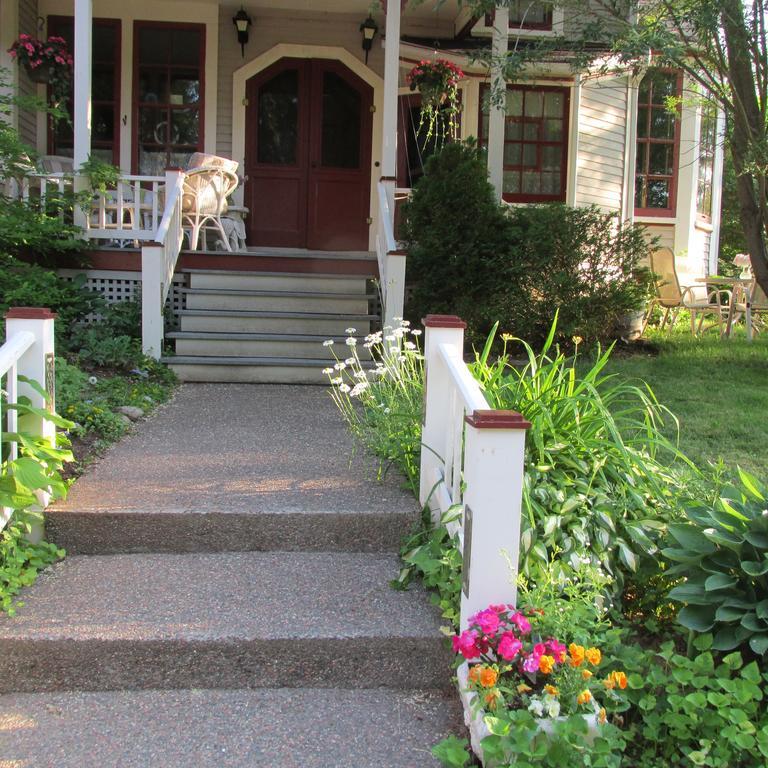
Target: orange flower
[(609, 683), (584, 697), (492, 699), (546, 664), (488, 677), (577, 654), (474, 673), (551, 690), (620, 679), (593, 656), (585, 674), (523, 688), (602, 716)]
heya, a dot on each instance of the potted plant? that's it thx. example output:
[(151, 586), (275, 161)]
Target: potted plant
[(437, 81), (527, 695), (46, 61)]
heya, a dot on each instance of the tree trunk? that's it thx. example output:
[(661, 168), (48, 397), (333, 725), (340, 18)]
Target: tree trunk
[(747, 134)]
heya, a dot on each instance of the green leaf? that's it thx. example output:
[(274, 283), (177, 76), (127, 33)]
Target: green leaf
[(755, 567), (759, 643), (728, 613), (757, 539), (691, 538), (698, 618), (761, 609), (720, 581), (452, 752), (627, 556), (752, 484), (752, 623), (689, 593), (729, 638)]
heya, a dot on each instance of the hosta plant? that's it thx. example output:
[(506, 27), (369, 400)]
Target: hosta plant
[(722, 550)]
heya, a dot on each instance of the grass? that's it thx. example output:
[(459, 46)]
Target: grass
[(717, 389)]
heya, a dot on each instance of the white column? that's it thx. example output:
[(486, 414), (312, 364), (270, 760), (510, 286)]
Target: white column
[(391, 82), (687, 173), (497, 114), (717, 192), (494, 459), (438, 329), (37, 364), (630, 151), (573, 141), (9, 30), (82, 74), (152, 324)]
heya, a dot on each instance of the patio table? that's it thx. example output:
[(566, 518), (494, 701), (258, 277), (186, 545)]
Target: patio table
[(734, 283)]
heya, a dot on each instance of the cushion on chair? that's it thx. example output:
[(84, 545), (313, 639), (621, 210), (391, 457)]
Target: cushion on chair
[(200, 159)]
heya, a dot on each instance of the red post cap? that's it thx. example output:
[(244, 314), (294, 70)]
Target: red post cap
[(496, 420), (30, 313), (443, 321)]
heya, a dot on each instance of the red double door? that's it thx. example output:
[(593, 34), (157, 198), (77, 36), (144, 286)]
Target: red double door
[(308, 156)]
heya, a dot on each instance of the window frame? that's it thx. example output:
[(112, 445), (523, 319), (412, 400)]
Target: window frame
[(545, 26), (136, 105), (54, 22), (527, 197), (671, 210)]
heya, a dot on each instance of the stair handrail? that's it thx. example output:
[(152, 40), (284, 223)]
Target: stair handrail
[(471, 470), (391, 259), (158, 263), (27, 354)]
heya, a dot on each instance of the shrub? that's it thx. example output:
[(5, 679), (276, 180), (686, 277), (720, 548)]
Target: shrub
[(98, 347), (723, 552), (470, 256)]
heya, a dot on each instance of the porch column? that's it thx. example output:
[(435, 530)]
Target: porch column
[(391, 82), (497, 114), (82, 108)]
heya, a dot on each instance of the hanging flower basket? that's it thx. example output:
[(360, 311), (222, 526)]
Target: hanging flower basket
[(46, 61), (438, 83)]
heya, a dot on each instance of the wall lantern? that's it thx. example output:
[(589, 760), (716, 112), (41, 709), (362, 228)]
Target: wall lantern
[(242, 21), (369, 28)]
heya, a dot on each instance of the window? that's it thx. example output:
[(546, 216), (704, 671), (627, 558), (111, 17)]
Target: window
[(658, 135), (105, 91), (707, 144), (535, 143), (526, 14), (168, 95)]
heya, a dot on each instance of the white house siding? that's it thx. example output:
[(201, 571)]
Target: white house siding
[(27, 117), (601, 152)]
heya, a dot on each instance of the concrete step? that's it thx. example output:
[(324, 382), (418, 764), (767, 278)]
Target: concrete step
[(104, 531), (283, 345), (280, 728), (241, 321), (229, 620), (248, 370), (277, 301), (275, 281)]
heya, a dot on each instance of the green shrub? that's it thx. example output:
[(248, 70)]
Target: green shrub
[(723, 552), (470, 256), (99, 347)]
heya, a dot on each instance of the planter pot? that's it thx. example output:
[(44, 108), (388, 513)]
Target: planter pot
[(39, 74), (478, 730), (629, 327)]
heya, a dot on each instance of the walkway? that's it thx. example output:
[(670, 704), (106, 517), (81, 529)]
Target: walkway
[(226, 603)]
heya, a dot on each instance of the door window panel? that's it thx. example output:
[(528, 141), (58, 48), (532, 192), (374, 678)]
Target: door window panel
[(278, 126), (340, 132)]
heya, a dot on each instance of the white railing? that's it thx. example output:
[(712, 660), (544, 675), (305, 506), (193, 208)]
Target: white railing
[(391, 259), (27, 352), (158, 263), (471, 469)]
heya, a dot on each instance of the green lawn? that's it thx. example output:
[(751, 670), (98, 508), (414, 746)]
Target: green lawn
[(717, 389)]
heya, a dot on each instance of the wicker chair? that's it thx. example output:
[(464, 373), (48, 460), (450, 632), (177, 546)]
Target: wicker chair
[(758, 305), (671, 296), (208, 182)]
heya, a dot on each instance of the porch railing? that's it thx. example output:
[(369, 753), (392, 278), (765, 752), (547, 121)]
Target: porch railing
[(471, 469), (391, 259), (158, 263), (27, 353)]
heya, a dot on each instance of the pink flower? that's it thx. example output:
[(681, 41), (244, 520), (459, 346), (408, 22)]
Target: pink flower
[(522, 623), (29, 47), (539, 649), (558, 650), (488, 621), (466, 644), (498, 608), (509, 646), (531, 664)]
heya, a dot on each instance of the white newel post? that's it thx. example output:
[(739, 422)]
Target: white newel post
[(494, 455), (438, 329), (37, 364), (81, 115), (152, 277), (496, 115), (395, 288), (391, 83)]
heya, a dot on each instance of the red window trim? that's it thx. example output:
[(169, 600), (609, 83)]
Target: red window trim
[(544, 26), (53, 22), (671, 210), (144, 24), (526, 197)]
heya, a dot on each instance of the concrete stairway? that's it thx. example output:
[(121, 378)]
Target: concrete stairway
[(267, 326), (226, 603)]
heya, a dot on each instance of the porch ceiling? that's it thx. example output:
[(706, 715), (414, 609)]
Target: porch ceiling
[(425, 10)]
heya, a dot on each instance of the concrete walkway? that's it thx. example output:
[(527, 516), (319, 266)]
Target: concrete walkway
[(226, 602)]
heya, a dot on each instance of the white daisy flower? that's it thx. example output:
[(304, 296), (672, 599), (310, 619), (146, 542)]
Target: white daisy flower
[(350, 330), (344, 388), (358, 389), (350, 361), (416, 332), (327, 371), (390, 338), (340, 366), (351, 341), (361, 375), (409, 345), (328, 343)]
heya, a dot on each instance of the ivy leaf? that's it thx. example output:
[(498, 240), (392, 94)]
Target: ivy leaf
[(452, 752)]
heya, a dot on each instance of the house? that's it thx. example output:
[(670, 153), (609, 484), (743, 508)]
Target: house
[(323, 132)]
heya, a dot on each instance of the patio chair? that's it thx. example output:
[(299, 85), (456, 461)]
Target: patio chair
[(671, 296), (208, 182), (758, 305)]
